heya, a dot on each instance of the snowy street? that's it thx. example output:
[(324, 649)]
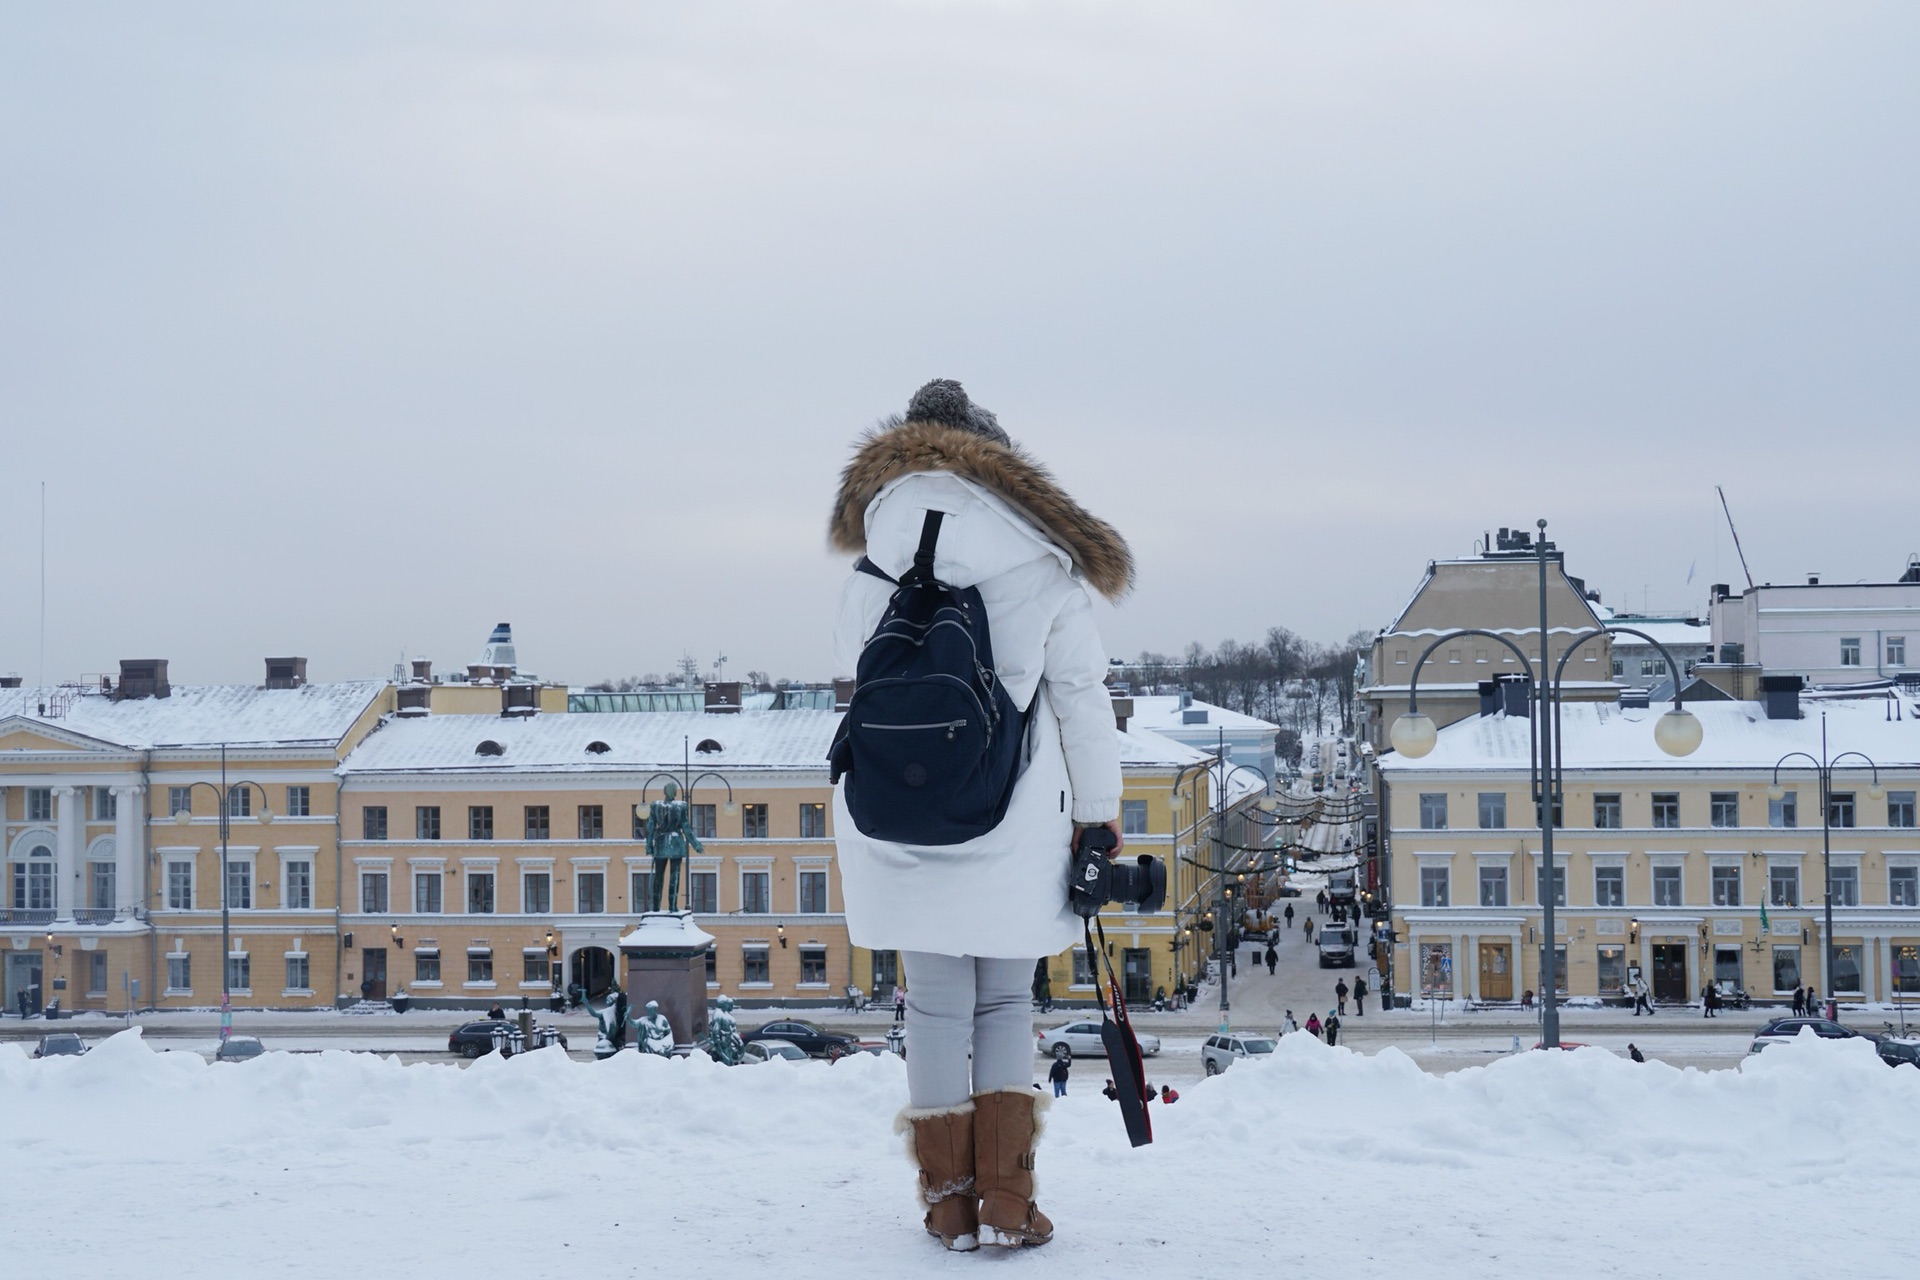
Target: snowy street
[(1577, 1163)]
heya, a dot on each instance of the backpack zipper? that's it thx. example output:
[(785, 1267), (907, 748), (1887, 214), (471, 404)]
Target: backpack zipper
[(949, 725)]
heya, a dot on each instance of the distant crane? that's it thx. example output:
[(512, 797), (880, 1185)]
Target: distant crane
[(1736, 536)]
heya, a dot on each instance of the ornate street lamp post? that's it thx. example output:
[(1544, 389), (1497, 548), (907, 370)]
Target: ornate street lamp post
[(1823, 769), (223, 794)]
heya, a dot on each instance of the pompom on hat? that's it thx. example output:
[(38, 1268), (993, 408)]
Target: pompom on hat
[(945, 401)]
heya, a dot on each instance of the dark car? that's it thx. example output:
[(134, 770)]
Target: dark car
[(62, 1044), (1892, 1050), (238, 1049), (475, 1039), (816, 1041)]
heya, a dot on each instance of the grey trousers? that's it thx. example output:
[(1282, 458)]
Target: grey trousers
[(954, 1002)]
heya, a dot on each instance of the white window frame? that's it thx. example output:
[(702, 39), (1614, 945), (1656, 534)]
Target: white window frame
[(745, 867), (1666, 862), (243, 861), (179, 953), (169, 859), (812, 866), (755, 944), (592, 866), (525, 867), (291, 990), (473, 953)]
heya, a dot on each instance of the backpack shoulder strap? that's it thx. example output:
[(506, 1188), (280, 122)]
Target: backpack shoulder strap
[(923, 555), (864, 565)]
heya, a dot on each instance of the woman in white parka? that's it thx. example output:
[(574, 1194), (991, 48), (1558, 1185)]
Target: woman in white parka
[(972, 919)]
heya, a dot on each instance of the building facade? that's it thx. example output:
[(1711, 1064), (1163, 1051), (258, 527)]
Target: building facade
[(1830, 633)]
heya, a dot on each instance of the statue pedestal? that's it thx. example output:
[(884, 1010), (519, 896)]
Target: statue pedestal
[(667, 962)]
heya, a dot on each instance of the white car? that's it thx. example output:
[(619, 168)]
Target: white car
[(1218, 1053), (771, 1050), (1083, 1039)]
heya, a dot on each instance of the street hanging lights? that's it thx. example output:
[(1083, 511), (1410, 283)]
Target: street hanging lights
[(1678, 732), (1414, 734)]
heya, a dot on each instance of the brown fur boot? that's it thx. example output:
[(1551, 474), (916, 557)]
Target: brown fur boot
[(1006, 1128), (940, 1143)]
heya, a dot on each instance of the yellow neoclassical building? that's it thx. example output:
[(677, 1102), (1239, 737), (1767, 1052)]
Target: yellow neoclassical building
[(1677, 871)]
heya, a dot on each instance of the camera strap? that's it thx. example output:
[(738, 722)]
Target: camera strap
[(1122, 1046)]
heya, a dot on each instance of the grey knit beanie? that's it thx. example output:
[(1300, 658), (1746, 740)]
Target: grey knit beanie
[(945, 401)]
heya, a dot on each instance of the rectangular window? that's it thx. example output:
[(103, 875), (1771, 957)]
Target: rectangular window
[(536, 967), (1619, 668), (1846, 968), (756, 893), (593, 822), (428, 886), (1082, 968), (713, 967), (299, 802), (813, 892), (1900, 808), (373, 822), (179, 885), (296, 894), (33, 881), (1666, 886), (1433, 811), (700, 818), (1783, 885), (239, 884), (297, 972), (1433, 886), (179, 800), (1493, 810), (106, 807), (1609, 886), (539, 822), (1606, 811), (703, 893), (426, 967), (426, 822), (753, 822), (1784, 812), (1726, 886), (480, 893), (180, 974), (640, 884), (536, 892), (1840, 808), (373, 892), (1906, 969), (1560, 968), (240, 800), (240, 972), (1436, 970), (1723, 808), (590, 892), (96, 973), (1133, 817), (479, 822), (754, 964), (1646, 666), (1850, 651), (1896, 651), (1612, 965), (1493, 886), (1903, 886), (813, 822), (100, 885), (479, 966), (40, 803), (1559, 884), (1844, 885), (1666, 808), (813, 966)]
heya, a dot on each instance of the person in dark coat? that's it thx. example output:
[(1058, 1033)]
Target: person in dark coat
[(1320, 901), (1313, 1025), (1340, 994), (1332, 1025), (1110, 1093), (1710, 1001), (1288, 913), (1308, 929), (1799, 1002), (1058, 1075), (1273, 959), (1635, 1054), (1359, 997)]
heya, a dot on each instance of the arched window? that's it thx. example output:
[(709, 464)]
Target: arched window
[(489, 748), (33, 879), (598, 748), (708, 746)]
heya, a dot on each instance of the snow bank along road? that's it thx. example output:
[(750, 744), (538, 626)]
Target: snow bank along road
[(1805, 1162)]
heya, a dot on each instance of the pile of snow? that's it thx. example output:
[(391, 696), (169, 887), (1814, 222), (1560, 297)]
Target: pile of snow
[(1580, 1163)]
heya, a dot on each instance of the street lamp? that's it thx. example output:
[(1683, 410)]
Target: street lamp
[(1677, 732), (1823, 769), (223, 799)]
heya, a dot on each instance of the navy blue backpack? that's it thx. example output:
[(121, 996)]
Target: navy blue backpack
[(930, 745)]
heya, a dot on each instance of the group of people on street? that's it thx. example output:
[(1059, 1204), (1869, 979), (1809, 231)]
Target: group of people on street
[(1806, 1003), (1358, 991), (1327, 1029)]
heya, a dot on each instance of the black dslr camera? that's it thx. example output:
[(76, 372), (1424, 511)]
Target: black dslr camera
[(1140, 884)]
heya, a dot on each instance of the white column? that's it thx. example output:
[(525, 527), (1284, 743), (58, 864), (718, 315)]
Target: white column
[(1882, 968), (66, 851), (129, 837)]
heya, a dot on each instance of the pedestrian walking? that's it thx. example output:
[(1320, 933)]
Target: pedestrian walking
[(899, 1003), (1640, 1000), (1709, 1000), (1110, 1093), (1273, 959), (1359, 997), (1799, 1002), (1332, 1026), (1634, 1053), (1288, 913), (1313, 1025), (1320, 901), (1058, 1075), (1288, 1024), (942, 492), (1340, 993), (1307, 928)]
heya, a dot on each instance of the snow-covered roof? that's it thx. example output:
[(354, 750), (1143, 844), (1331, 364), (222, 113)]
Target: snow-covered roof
[(1665, 630), (1736, 735), (1163, 712), (746, 740), (206, 715)]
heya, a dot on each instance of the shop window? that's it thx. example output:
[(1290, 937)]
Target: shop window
[(1436, 970), (1846, 968), (1611, 965), (1906, 969), (1786, 969)]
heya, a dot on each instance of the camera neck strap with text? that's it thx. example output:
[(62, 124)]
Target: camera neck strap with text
[(1122, 1046)]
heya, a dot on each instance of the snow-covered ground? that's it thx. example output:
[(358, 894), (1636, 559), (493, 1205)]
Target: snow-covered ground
[(1804, 1161)]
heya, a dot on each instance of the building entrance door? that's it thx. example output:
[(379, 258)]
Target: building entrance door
[(1136, 975), (373, 972), (592, 971), (1670, 972), (886, 976), (1496, 971), (23, 982)]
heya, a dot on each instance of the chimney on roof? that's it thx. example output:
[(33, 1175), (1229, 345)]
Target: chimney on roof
[(412, 700), (1516, 694), (423, 670), (286, 673), (1781, 694), (143, 678), (9, 682), (842, 693), (723, 696), (519, 699), (1813, 579), (1720, 591), (1122, 712)]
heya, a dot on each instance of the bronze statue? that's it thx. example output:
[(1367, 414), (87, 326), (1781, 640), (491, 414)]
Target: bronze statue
[(669, 832)]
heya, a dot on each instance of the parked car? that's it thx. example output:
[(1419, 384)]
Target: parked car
[(238, 1049), (1336, 946), (1893, 1050), (1218, 1053), (475, 1039), (769, 1050), (1083, 1039), (813, 1039), (61, 1044)]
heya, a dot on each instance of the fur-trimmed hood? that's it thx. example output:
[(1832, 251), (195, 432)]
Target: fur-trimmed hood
[(896, 449)]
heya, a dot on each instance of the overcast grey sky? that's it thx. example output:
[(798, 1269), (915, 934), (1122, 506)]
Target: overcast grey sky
[(348, 330)]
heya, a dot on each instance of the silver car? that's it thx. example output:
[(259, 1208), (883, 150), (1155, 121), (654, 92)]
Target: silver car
[(1082, 1039), (772, 1051), (1336, 947), (1218, 1053)]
